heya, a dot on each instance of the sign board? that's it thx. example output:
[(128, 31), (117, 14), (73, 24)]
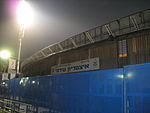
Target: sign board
[(23, 108), (12, 64), (5, 76), (43, 110), (12, 68), (12, 75), (123, 48), (84, 65)]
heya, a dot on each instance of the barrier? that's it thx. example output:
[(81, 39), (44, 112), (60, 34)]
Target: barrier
[(124, 90)]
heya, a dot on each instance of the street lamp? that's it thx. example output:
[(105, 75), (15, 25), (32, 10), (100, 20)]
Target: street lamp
[(25, 19)]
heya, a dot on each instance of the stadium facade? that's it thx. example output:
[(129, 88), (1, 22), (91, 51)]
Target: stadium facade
[(118, 43)]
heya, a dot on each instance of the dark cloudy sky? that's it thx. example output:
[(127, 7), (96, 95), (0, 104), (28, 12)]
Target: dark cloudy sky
[(56, 20)]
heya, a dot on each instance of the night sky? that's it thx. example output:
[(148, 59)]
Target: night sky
[(56, 20)]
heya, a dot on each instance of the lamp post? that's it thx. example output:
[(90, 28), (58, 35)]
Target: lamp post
[(21, 35), (25, 18)]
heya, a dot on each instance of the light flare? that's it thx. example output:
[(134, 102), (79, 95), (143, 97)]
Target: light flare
[(24, 14)]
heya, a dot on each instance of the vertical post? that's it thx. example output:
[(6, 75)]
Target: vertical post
[(124, 92), (21, 35), (19, 52), (89, 53)]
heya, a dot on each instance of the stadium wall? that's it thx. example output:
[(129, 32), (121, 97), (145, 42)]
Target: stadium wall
[(133, 48)]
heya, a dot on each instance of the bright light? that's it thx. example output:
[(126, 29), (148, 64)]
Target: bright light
[(24, 14), (21, 81), (33, 82), (4, 54), (3, 83), (120, 76), (129, 75), (24, 81)]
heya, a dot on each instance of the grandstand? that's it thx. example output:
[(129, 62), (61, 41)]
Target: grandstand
[(118, 43)]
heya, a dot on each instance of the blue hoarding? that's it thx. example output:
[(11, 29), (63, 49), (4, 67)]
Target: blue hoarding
[(85, 92), (124, 90)]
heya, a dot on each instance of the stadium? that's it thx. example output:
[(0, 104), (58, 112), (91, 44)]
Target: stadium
[(103, 70), (124, 41)]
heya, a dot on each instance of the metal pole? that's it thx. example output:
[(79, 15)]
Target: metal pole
[(21, 35)]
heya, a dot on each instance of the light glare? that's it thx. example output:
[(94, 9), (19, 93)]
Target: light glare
[(4, 54), (24, 14), (33, 82), (120, 76)]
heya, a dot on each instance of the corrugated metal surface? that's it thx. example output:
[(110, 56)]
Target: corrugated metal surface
[(137, 79), (75, 55), (139, 48), (107, 53), (85, 92), (124, 90)]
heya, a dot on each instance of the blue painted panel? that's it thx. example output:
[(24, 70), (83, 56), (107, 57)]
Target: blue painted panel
[(85, 92), (138, 88)]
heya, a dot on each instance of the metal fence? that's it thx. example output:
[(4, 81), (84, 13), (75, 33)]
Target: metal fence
[(14, 106), (123, 90), (121, 26)]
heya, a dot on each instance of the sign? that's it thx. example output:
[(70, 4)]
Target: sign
[(12, 68), (12, 64), (5, 76), (123, 48), (84, 65), (23, 108), (12, 75), (43, 110)]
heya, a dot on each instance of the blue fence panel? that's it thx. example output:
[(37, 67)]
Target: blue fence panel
[(85, 92), (106, 89), (138, 88)]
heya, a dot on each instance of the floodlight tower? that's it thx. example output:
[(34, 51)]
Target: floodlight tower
[(25, 19)]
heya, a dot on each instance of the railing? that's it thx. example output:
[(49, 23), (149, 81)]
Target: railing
[(11, 106), (121, 26)]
